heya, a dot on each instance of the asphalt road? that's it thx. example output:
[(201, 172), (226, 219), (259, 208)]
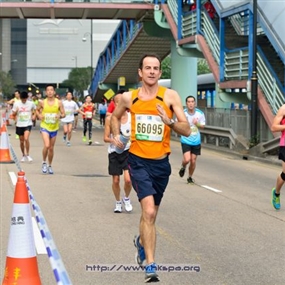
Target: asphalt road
[(224, 225)]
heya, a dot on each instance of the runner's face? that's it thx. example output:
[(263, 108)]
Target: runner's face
[(50, 92), (150, 72), (69, 96), (191, 103)]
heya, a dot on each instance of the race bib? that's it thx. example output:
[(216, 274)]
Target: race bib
[(194, 130), (88, 115), (50, 118), (149, 128), (68, 112), (24, 116)]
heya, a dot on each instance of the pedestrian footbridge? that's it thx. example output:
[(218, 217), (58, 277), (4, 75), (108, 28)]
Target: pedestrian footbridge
[(225, 41)]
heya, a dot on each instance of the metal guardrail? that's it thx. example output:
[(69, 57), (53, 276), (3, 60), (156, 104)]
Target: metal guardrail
[(271, 145), (219, 132)]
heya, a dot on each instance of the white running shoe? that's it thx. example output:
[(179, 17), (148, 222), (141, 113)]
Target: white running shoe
[(118, 208), (29, 159), (68, 143), (50, 171), (24, 158), (44, 167), (127, 204)]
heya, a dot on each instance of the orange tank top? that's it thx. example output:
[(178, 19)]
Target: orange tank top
[(150, 137)]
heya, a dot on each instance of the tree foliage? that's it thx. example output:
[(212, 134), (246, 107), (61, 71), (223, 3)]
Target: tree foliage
[(202, 67), (78, 79), (166, 68), (7, 84)]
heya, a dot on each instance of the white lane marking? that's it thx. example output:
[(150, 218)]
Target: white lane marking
[(211, 188), (13, 178), (39, 243)]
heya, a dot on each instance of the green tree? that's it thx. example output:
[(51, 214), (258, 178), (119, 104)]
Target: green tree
[(166, 68), (203, 66), (7, 85), (78, 79)]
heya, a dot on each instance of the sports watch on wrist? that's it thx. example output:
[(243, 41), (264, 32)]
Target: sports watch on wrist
[(171, 123)]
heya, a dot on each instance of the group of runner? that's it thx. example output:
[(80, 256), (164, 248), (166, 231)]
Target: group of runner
[(148, 115)]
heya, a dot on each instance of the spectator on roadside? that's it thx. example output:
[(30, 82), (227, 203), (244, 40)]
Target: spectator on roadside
[(102, 109), (210, 9)]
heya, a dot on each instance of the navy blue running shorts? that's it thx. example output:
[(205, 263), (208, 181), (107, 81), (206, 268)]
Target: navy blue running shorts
[(149, 176)]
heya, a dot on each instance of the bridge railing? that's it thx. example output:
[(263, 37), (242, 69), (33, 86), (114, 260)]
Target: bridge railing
[(118, 43)]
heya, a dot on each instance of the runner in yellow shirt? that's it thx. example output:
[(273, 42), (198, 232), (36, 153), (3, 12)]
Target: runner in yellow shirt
[(49, 112)]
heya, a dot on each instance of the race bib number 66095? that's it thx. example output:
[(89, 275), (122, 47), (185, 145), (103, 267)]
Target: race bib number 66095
[(149, 128)]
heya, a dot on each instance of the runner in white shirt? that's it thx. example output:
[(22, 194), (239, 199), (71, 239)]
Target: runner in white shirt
[(70, 107), (26, 112)]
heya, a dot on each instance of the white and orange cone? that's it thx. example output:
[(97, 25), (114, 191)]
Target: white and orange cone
[(4, 146), (21, 263)]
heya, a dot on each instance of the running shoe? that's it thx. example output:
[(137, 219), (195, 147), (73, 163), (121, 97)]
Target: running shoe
[(90, 142), (150, 273), (118, 207), (182, 171), (84, 139), (127, 204), (29, 159), (68, 143), (24, 158), (190, 180), (64, 138), (140, 255), (44, 167), (275, 200), (50, 171)]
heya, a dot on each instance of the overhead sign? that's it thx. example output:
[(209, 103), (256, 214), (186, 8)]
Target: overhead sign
[(122, 81)]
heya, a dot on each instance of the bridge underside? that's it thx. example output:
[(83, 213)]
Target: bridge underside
[(70, 10), (128, 63)]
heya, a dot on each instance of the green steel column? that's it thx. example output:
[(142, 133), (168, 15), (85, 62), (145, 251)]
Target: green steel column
[(183, 74)]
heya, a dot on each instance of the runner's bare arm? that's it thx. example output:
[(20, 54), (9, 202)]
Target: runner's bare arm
[(181, 126), (61, 110), (276, 125), (107, 130), (123, 105), (39, 110)]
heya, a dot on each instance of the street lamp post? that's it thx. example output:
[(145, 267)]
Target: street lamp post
[(91, 45), (254, 79)]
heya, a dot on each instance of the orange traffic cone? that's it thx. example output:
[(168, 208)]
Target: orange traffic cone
[(21, 263), (4, 146)]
